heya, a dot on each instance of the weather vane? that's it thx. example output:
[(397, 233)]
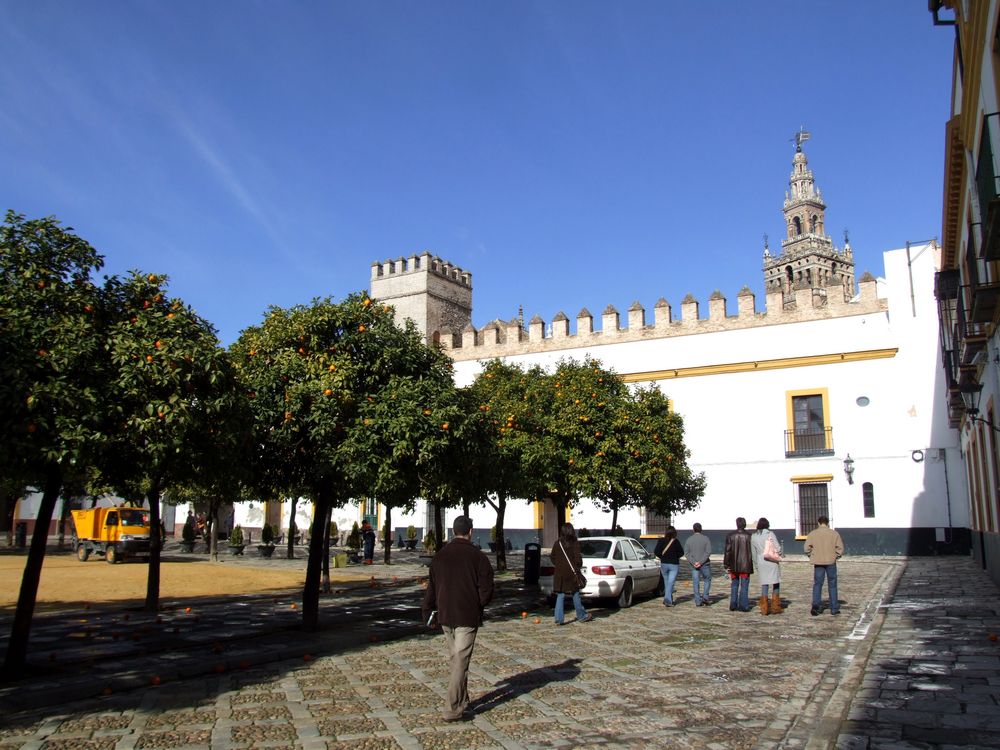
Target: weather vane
[(799, 138)]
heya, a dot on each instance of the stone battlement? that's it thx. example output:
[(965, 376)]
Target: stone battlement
[(498, 338), (425, 262)]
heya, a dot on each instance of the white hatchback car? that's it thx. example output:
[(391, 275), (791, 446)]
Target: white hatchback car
[(616, 567)]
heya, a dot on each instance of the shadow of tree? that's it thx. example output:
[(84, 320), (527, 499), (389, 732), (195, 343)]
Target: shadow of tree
[(524, 683)]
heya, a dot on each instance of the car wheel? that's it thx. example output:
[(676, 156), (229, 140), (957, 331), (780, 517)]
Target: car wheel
[(625, 597), (111, 555), (82, 552)]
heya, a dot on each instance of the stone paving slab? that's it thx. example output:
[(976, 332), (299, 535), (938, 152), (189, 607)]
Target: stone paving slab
[(909, 664)]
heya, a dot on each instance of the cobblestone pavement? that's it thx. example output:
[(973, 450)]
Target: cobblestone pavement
[(649, 676)]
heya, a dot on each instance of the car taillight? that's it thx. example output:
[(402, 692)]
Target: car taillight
[(546, 570), (603, 570)]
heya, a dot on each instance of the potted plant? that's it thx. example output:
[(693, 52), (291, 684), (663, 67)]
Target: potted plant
[(334, 534), (353, 542), (266, 546), (187, 538), (411, 537), (493, 538), (430, 542), (236, 543)]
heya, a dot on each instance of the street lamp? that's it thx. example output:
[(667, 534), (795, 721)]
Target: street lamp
[(849, 469)]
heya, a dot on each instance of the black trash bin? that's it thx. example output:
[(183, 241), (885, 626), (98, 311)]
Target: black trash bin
[(532, 563), (21, 535)]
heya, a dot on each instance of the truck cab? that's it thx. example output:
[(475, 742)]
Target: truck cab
[(118, 533)]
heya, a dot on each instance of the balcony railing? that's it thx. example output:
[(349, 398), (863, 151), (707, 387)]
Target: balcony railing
[(987, 192), (799, 444)]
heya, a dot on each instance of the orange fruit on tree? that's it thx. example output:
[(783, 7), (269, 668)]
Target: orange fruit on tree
[(361, 329), (328, 392), (145, 304), (444, 425), (158, 344), (149, 357), (151, 277)]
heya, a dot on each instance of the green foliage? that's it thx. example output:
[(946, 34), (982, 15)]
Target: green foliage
[(52, 368), (353, 541), (430, 541), (267, 534), (411, 532), (334, 532), (236, 536)]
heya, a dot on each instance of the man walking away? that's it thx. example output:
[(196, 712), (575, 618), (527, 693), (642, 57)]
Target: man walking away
[(697, 550), (738, 562), (824, 547), (459, 588)]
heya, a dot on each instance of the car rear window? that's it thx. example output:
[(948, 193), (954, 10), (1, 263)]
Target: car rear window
[(594, 547)]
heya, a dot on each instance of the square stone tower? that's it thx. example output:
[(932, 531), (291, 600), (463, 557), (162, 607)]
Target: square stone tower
[(430, 291)]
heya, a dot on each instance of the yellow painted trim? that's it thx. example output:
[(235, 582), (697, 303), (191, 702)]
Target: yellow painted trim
[(823, 393), (539, 518), (812, 478), (760, 365)]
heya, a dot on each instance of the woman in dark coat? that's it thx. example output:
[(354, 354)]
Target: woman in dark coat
[(566, 561)]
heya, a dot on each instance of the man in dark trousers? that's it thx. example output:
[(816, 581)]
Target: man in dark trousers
[(459, 588), (738, 561)]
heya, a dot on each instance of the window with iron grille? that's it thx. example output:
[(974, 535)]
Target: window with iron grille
[(813, 503), (868, 497), (654, 524)]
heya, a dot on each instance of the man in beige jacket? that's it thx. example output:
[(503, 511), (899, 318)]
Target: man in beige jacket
[(824, 547)]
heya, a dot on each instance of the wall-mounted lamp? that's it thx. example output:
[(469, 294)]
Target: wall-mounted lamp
[(849, 469)]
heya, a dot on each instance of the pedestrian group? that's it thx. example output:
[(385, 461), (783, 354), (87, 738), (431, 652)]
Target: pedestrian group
[(460, 584)]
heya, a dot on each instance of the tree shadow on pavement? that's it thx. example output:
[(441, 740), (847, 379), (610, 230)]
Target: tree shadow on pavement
[(523, 683)]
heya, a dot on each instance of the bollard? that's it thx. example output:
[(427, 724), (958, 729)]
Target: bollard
[(532, 563)]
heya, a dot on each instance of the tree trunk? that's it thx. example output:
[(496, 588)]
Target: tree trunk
[(292, 528), (501, 543), (153, 576), (614, 518), (387, 534), (310, 592), (466, 508), (438, 528), (63, 518), (559, 501), (213, 522), (326, 552), (17, 646)]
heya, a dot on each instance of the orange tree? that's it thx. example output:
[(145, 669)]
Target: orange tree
[(641, 461), (500, 411), (567, 415), (176, 413), (399, 447), (51, 378), (345, 403)]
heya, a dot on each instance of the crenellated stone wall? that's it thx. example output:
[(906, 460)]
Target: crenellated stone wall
[(500, 338)]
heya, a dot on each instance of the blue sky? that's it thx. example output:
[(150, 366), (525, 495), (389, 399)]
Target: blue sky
[(568, 154)]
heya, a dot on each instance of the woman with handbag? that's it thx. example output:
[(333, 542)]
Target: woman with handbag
[(670, 551), (767, 562), (566, 576)]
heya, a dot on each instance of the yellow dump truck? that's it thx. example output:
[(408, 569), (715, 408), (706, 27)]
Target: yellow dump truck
[(118, 533)]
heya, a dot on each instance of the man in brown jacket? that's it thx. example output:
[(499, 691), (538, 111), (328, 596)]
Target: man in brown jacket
[(824, 547), (460, 586)]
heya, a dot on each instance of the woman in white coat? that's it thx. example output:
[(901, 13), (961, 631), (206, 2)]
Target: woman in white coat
[(768, 571)]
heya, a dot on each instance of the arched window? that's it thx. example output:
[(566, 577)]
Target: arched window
[(798, 225), (868, 496), (812, 223)]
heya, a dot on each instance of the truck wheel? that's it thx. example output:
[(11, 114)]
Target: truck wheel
[(111, 555), (82, 552)]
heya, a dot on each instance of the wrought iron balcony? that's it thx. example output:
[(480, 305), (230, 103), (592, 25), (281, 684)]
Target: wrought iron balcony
[(802, 444), (986, 189)]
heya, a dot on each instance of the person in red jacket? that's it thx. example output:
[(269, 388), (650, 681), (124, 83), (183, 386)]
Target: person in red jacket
[(459, 588)]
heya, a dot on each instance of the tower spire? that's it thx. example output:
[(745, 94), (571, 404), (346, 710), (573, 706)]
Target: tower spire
[(808, 258)]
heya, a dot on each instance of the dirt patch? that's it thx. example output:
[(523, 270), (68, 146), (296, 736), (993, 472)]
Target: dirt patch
[(67, 582)]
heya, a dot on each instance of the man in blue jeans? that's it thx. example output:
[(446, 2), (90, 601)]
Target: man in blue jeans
[(697, 550), (737, 559), (824, 547)]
